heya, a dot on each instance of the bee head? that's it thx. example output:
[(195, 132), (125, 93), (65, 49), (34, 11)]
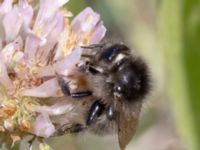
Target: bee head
[(132, 81)]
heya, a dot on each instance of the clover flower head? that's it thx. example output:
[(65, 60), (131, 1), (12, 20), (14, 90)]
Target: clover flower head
[(35, 45)]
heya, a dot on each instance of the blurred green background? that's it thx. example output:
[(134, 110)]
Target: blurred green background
[(167, 34)]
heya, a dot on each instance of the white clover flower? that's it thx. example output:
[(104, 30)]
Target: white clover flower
[(34, 46)]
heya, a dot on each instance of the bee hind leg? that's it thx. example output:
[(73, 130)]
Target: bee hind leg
[(95, 111)]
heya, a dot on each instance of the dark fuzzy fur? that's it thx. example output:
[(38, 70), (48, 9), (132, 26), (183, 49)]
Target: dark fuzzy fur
[(133, 67), (103, 85)]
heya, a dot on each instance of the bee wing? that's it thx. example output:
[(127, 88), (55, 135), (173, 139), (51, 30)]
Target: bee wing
[(127, 122)]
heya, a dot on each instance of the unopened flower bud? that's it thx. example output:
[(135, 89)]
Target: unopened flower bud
[(10, 110), (25, 125)]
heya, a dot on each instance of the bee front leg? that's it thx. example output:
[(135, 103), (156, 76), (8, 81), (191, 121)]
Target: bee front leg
[(88, 68), (66, 89)]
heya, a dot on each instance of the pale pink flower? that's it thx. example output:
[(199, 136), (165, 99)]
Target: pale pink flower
[(35, 45)]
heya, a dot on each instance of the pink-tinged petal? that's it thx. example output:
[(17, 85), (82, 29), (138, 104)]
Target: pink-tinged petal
[(18, 43), (18, 56), (64, 66), (26, 31), (12, 23), (2, 34), (57, 27), (5, 6), (26, 11), (98, 34), (1, 44), (43, 127), (47, 10), (31, 46), (49, 88), (6, 55), (85, 21), (62, 44), (21, 73), (63, 107), (46, 71), (62, 2), (4, 78)]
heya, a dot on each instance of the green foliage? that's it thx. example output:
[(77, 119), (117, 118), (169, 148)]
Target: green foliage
[(180, 34), (191, 35), (76, 6)]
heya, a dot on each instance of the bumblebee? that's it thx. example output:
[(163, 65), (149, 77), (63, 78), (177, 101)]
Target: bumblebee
[(118, 81)]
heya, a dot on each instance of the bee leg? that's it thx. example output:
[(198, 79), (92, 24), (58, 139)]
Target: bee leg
[(66, 89), (95, 70), (95, 111), (81, 94), (86, 67), (110, 112), (64, 86), (31, 141), (77, 128), (69, 129), (87, 56)]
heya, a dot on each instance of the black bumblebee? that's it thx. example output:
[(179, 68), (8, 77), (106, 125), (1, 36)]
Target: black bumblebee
[(118, 81)]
